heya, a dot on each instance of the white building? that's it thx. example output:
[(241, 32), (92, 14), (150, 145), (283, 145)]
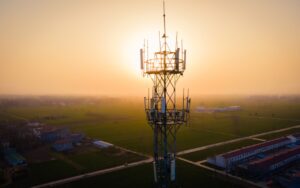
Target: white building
[(228, 159), (101, 144)]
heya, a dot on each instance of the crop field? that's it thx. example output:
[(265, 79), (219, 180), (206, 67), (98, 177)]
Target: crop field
[(122, 122), (44, 172), (96, 160), (142, 176), (70, 164)]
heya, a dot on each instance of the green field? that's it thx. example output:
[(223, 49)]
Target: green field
[(67, 165), (122, 122), (280, 134), (96, 160), (44, 172), (204, 154), (141, 176)]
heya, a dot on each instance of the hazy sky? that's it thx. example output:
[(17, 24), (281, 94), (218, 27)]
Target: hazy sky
[(91, 47)]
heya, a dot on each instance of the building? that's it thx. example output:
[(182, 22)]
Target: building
[(102, 144), (17, 164), (202, 109), (35, 124), (228, 160), (67, 142), (295, 137), (289, 182), (13, 159), (274, 162), (76, 138), (63, 145), (51, 134), (60, 137), (261, 159)]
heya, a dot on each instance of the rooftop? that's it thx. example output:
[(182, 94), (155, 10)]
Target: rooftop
[(254, 147)]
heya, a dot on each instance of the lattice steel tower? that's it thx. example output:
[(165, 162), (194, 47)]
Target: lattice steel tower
[(164, 115)]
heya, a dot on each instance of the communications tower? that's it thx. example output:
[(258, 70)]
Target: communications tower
[(164, 114)]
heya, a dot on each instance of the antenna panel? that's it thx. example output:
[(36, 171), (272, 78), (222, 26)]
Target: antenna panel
[(142, 58), (177, 59), (184, 60)]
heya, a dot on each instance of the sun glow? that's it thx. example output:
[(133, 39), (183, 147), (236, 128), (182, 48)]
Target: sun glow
[(94, 46), (131, 50)]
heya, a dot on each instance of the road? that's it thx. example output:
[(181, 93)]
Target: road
[(116, 168), (91, 174), (235, 140)]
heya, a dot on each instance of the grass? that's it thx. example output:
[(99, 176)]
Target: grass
[(286, 107), (44, 172), (142, 176), (280, 134), (103, 159), (204, 154), (122, 122), (67, 165)]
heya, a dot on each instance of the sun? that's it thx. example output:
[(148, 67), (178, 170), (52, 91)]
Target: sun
[(131, 51)]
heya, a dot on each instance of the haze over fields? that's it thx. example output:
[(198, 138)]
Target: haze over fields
[(92, 47)]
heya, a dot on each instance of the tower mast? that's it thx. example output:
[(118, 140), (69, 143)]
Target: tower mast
[(165, 67)]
